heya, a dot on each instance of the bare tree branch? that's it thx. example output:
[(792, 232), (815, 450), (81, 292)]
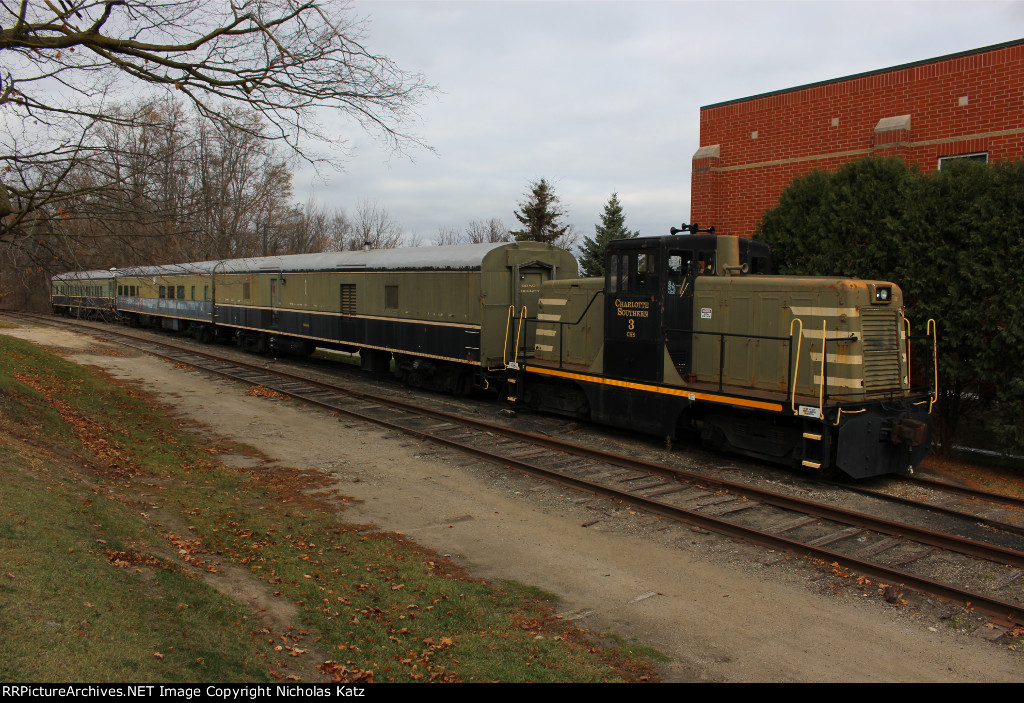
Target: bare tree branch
[(64, 63)]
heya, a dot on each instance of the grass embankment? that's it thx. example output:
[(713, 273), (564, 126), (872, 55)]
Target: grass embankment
[(120, 536)]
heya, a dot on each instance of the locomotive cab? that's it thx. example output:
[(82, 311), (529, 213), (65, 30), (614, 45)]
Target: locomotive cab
[(650, 284)]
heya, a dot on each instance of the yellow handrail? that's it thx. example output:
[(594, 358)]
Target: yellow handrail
[(519, 331), (508, 324), (796, 371), (910, 376), (821, 389), (932, 329), (839, 415)]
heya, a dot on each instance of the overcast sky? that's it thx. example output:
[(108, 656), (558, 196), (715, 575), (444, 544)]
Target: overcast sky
[(605, 96)]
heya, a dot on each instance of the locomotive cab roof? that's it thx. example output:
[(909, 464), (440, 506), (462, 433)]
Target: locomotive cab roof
[(732, 255)]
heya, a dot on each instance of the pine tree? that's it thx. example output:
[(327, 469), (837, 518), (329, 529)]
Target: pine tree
[(541, 216), (612, 227)]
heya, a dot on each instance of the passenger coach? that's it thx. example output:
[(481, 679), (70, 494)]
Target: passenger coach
[(440, 312)]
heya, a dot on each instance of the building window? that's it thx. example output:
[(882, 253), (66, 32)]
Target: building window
[(981, 156)]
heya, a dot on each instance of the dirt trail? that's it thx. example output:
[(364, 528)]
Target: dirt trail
[(703, 601)]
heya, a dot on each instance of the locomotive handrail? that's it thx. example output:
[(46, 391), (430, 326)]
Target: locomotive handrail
[(504, 348), (933, 328), (796, 333), (721, 348), (930, 334), (796, 371), (910, 376), (839, 414), (824, 356), (562, 323), (519, 331)]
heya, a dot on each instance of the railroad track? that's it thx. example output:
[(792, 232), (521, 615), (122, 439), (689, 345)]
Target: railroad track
[(996, 511), (986, 577)]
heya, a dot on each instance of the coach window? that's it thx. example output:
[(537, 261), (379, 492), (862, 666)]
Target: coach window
[(206, 292), (391, 297), (245, 290), (181, 293), (163, 292)]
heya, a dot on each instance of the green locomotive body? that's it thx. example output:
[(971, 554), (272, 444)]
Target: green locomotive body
[(691, 332)]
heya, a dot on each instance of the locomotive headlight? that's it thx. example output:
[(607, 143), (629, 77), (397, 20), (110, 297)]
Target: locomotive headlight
[(883, 294)]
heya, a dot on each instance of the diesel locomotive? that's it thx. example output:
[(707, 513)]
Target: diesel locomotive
[(687, 333)]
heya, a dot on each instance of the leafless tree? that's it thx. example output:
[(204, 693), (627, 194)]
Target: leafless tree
[(374, 227), (173, 186), (65, 63), (311, 228), (494, 230), (446, 236)]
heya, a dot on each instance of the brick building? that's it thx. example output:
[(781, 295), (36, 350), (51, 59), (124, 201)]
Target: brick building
[(965, 105)]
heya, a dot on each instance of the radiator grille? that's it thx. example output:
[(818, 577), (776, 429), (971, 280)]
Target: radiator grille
[(881, 333)]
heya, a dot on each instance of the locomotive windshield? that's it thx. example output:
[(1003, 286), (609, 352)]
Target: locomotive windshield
[(633, 271)]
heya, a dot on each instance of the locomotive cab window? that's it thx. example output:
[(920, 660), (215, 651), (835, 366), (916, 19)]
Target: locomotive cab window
[(759, 265), (705, 263), (633, 272), (613, 273), (677, 270), (647, 272)]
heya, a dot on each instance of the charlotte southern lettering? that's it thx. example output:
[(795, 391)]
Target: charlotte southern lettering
[(633, 308)]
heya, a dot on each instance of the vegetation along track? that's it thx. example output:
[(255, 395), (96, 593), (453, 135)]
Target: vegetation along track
[(985, 576)]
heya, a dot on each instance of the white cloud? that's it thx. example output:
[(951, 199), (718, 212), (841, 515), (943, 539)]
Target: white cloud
[(606, 96)]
